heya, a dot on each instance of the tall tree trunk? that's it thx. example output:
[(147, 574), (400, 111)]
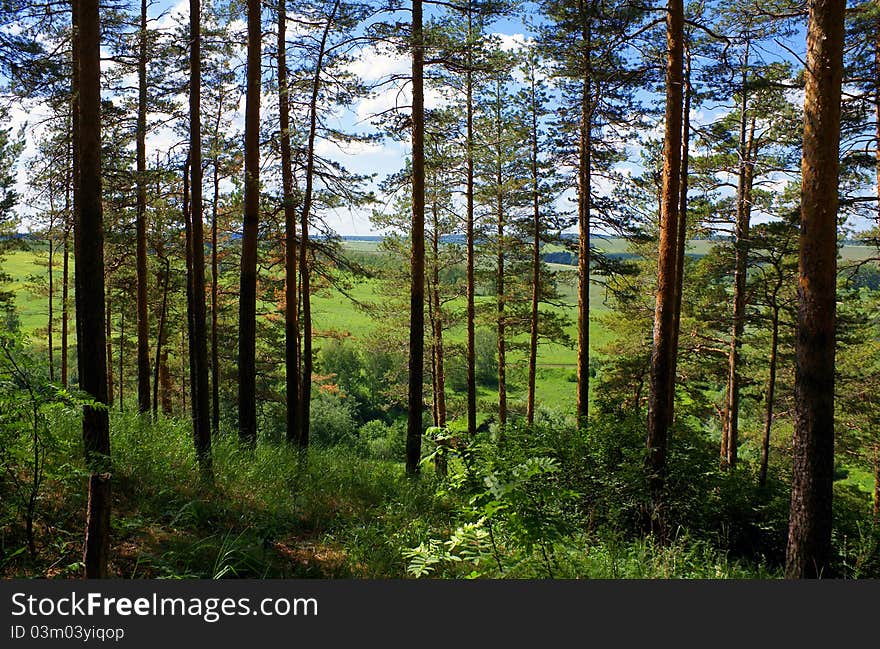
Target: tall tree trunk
[(730, 425), (215, 305), (470, 314), (304, 263), (438, 334), (877, 483), (247, 370), (536, 252), (109, 341), (89, 259), (121, 358), (183, 357), (441, 464), (499, 280), (809, 534), (198, 342), (417, 258), (681, 233), (65, 266), (584, 207), (75, 167), (65, 314), (51, 300), (662, 351), (291, 301), (190, 297), (143, 319), (877, 111), (771, 393), (433, 350)]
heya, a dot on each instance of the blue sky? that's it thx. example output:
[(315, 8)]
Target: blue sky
[(379, 158)]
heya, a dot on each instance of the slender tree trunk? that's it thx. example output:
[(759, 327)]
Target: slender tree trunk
[(877, 112), (65, 299), (584, 207), (771, 393), (433, 321), (190, 299), (437, 320), (291, 323), (809, 535), (304, 263), (183, 357), (198, 343), (438, 336), (65, 267), (417, 258), (109, 337), (75, 167), (247, 370), (121, 358), (89, 251), (662, 351), (51, 300), (730, 426), (470, 314), (160, 334), (536, 253), (165, 382), (143, 318), (877, 483), (681, 234), (215, 305), (499, 281)]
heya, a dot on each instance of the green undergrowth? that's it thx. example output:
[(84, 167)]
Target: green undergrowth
[(539, 503)]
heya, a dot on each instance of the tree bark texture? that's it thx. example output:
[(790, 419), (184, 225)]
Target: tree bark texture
[(809, 536)]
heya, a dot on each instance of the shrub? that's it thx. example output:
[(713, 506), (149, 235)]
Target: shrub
[(383, 441), (333, 420)]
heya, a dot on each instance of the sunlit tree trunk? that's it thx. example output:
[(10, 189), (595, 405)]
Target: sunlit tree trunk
[(662, 351), (681, 233), (809, 535)]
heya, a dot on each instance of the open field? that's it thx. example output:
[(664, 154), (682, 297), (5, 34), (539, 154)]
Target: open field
[(335, 314)]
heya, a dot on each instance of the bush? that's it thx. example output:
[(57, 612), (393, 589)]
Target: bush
[(333, 420), (383, 441)]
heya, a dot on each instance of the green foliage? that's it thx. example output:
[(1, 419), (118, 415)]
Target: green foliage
[(383, 441), (333, 420)]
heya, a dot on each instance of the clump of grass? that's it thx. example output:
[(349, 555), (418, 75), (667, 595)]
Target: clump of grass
[(269, 512)]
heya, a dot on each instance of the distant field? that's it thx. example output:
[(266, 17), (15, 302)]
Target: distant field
[(335, 314)]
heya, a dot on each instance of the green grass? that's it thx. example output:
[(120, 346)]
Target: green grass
[(32, 309), (335, 315), (268, 514)]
